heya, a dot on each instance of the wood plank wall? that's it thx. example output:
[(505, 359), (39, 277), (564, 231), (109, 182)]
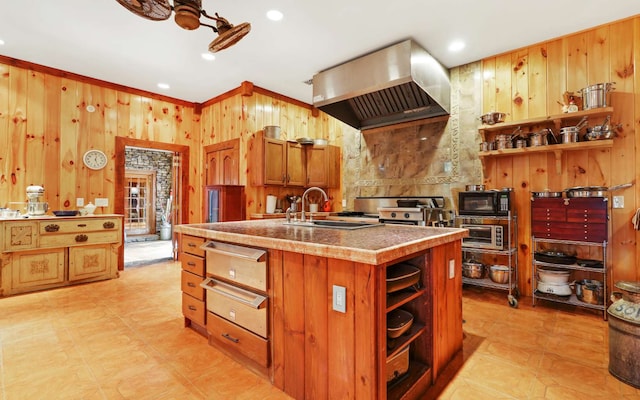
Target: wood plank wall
[(527, 83), (244, 113), (45, 129)]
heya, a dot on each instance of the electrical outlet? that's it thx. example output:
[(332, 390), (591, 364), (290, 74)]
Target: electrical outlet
[(448, 166), (452, 269), (618, 201), (80, 202), (340, 298), (102, 202)]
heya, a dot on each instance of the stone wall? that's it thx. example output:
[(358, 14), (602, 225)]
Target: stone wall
[(436, 159), (160, 162)]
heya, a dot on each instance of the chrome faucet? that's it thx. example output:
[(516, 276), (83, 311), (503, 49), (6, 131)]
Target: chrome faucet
[(304, 195)]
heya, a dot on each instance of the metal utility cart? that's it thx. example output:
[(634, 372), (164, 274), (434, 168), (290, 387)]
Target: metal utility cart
[(509, 253)]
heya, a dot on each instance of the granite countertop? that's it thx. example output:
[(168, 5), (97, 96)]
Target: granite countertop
[(372, 245)]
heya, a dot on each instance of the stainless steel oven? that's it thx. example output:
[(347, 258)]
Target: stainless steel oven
[(481, 236)]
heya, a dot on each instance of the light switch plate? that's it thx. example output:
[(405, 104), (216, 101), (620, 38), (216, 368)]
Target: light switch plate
[(340, 298), (452, 269), (80, 202), (102, 202)]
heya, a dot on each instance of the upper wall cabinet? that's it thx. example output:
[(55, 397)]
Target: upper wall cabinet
[(222, 163), (285, 163)]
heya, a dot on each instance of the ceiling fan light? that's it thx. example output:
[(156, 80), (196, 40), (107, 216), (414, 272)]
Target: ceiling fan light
[(229, 37)]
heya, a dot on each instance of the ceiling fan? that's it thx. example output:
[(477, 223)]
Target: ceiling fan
[(187, 16)]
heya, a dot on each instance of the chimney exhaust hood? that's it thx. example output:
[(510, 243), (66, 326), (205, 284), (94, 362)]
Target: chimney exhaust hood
[(400, 83)]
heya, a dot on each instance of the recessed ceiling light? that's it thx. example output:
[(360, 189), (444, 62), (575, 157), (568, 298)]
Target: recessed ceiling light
[(274, 15), (163, 85), (208, 56), (456, 45)]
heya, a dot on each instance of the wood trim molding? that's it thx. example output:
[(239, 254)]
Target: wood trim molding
[(247, 88), (93, 81)]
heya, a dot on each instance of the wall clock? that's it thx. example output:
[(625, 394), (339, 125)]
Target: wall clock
[(95, 159)]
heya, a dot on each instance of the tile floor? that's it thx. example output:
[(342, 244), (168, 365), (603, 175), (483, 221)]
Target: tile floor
[(124, 339)]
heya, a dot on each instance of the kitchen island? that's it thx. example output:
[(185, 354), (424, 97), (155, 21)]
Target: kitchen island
[(327, 305)]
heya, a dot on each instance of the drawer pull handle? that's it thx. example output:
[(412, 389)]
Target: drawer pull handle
[(191, 244), (52, 228), (231, 292), (82, 238), (229, 337), (82, 225), (191, 264), (108, 225), (191, 284), (193, 308)]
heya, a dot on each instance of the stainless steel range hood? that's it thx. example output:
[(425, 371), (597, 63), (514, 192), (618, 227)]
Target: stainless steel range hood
[(400, 83)]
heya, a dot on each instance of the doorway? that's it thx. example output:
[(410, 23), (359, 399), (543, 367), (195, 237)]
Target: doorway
[(176, 211), (139, 202)]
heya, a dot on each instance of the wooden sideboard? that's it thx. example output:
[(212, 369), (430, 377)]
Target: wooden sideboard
[(47, 252)]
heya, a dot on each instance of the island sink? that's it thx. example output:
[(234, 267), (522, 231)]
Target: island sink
[(333, 224)]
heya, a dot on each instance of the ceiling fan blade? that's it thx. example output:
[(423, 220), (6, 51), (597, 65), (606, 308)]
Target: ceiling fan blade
[(156, 10), (230, 37)]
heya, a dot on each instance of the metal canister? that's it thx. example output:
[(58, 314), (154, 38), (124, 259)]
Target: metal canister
[(624, 333)]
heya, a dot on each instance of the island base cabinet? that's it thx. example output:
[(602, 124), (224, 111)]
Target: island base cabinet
[(89, 262), (34, 270)]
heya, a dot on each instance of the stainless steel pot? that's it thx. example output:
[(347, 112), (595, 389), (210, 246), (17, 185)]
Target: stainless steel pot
[(504, 142), (593, 191), (546, 193), (486, 146), (499, 273), (472, 269), (521, 142), (595, 96), (590, 291), (569, 134), (493, 118), (474, 188), (541, 138)]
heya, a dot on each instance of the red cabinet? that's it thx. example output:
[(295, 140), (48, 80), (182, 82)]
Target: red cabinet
[(579, 219)]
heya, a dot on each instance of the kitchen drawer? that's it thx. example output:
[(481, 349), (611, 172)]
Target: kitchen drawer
[(193, 309), (584, 215), (79, 225), (79, 239), (242, 307), (568, 231), (191, 244), (191, 285), (234, 337), (238, 264), (193, 264), (20, 236), (548, 214)]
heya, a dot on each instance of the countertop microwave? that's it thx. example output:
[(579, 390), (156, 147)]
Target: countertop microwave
[(485, 203)]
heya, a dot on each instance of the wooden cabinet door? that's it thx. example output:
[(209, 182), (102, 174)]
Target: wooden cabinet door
[(88, 262), (222, 163), (222, 167), (37, 268), (275, 161), (296, 166), (317, 166), (228, 162), (333, 166)]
